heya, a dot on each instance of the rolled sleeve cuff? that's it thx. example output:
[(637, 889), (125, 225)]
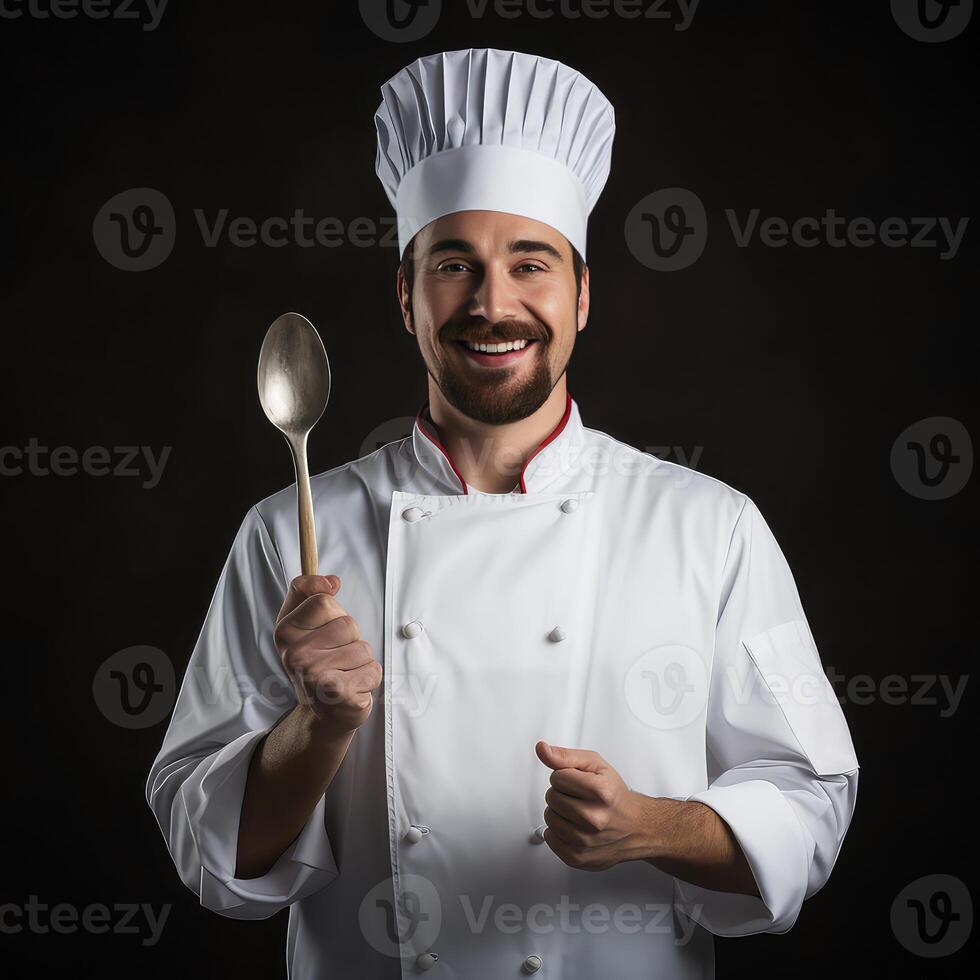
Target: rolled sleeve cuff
[(214, 811), (772, 840)]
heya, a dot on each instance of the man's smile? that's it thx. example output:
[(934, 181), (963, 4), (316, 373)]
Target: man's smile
[(495, 355)]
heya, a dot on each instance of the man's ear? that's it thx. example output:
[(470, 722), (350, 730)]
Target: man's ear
[(584, 300), (404, 298)]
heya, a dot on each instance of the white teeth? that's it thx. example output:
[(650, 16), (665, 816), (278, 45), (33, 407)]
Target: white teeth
[(498, 348)]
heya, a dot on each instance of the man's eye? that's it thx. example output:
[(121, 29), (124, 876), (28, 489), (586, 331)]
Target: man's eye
[(529, 267), (454, 267)]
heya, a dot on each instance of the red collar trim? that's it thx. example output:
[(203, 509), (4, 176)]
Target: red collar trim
[(433, 437), (554, 435)]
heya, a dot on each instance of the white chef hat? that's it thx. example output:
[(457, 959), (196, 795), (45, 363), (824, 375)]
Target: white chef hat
[(492, 130)]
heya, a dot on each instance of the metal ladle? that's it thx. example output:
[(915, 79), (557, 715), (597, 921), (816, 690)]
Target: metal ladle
[(294, 386)]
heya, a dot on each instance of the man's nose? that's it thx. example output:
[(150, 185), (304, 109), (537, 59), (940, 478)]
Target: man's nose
[(495, 297)]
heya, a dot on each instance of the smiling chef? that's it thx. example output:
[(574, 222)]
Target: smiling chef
[(554, 706)]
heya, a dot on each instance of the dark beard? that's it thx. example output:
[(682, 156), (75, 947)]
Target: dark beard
[(491, 402)]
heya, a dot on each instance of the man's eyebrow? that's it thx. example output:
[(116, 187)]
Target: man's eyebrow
[(450, 245), (528, 245)]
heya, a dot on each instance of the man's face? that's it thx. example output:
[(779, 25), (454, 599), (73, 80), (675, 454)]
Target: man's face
[(488, 278)]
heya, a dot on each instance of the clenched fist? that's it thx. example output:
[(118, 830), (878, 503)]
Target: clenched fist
[(333, 670), (594, 820)]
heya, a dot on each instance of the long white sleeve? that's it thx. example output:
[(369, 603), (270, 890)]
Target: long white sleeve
[(782, 768), (235, 690)]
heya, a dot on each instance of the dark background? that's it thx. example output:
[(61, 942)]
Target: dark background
[(792, 370)]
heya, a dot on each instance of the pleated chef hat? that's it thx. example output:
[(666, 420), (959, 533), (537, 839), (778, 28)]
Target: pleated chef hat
[(492, 130)]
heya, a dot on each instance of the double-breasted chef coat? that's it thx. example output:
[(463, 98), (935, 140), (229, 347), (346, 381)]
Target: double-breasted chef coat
[(613, 602)]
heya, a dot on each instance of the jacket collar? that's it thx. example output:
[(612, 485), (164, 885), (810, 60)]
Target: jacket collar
[(556, 457)]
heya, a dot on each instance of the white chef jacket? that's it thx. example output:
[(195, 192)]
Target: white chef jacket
[(613, 601)]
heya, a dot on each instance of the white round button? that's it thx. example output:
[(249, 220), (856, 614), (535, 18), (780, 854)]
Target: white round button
[(415, 833), (569, 506), (426, 961), (556, 635), (412, 629), (412, 514), (532, 964), (538, 836)]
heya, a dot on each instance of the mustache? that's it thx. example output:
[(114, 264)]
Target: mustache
[(482, 332)]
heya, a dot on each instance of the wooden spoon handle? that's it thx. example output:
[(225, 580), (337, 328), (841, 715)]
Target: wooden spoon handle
[(309, 561)]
